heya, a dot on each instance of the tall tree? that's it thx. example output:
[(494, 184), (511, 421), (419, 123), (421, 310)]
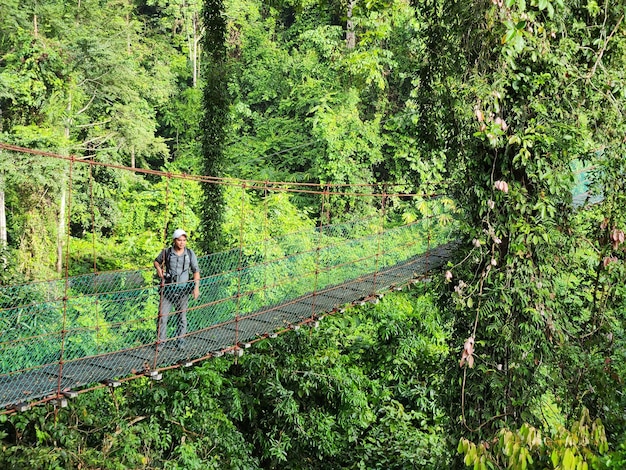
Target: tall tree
[(528, 90), (214, 119)]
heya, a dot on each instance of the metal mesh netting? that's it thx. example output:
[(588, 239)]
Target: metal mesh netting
[(60, 336)]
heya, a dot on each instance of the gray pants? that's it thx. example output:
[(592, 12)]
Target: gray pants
[(177, 305)]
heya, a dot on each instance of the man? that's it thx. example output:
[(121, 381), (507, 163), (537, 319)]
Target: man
[(173, 266)]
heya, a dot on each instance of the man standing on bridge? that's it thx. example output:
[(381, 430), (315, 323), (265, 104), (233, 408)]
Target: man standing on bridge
[(173, 265)]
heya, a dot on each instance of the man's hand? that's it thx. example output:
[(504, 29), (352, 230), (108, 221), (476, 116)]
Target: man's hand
[(196, 288)]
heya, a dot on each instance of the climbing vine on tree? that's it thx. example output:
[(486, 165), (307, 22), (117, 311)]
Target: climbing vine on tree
[(538, 291)]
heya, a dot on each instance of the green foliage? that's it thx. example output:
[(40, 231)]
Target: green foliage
[(497, 100), (346, 142), (252, 219), (133, 429), (32, 79), (359, 392), (580, 447), (615, 458), (71, 81), (538, 306), (308, 109), (367, 381), (32, 200), (9, 274)]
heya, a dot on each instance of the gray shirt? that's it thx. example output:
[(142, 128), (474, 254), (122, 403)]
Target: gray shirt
[(180, 266)]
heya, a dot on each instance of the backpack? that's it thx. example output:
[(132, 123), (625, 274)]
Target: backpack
[(172, 287)]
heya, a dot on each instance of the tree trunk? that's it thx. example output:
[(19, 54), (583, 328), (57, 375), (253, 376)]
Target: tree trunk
[(62, 199), (350, 36), (197, 37), (3, 218), (61, 232), (128, 42)]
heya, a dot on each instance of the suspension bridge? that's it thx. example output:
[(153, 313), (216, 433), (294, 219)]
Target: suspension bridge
[(68, 336)]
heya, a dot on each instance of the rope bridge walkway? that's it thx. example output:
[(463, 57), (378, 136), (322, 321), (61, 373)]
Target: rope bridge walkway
[(43, 359), (71, 335)]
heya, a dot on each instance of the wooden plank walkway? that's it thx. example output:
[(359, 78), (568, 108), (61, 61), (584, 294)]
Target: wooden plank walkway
[(56, 380)]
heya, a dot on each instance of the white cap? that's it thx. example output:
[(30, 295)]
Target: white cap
[(179, 232)]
